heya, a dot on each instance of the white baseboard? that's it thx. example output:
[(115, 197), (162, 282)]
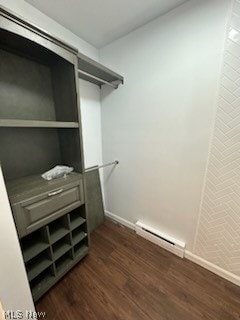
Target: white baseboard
[(212, 267), (188, 255), (120, 220)]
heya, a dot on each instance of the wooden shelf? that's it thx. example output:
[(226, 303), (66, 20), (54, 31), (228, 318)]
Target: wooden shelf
[(78, 237), (64, 263), (80, 250), (39, 265), (76, 222), (61, 247), (35, 243), (42, 283), (58, 233), (100, 73), (34, 249), (37, 124)]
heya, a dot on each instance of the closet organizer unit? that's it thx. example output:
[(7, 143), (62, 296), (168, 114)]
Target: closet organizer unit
[(40, 127)]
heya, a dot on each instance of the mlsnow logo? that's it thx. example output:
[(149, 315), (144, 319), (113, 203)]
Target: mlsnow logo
[(18, 314)]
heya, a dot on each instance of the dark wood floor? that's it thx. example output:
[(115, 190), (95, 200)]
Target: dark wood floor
[(126, 277)]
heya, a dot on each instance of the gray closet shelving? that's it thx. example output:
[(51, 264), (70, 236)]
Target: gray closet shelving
[(40, 127), (97, 73)]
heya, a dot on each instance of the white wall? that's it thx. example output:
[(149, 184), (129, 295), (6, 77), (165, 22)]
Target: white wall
[(91, 126), (92, 129), (14, 290), (159, 123)]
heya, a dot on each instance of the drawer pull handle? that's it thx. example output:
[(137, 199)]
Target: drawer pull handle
[(55, 192)]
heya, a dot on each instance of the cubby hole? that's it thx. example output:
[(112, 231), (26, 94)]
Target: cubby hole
[(81, 249), (64, 263), (38, 264), (42, 282), (34, 243), (58, 229), (61, 247), (79, 234), (77, 217)]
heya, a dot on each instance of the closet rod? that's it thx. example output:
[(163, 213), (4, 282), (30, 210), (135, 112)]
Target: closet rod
[(115, 86), (102, 166)]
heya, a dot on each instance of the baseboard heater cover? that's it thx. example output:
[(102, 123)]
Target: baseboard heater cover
[(167, 242)]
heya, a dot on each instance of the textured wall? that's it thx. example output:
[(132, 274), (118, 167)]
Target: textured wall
[(218, 235)]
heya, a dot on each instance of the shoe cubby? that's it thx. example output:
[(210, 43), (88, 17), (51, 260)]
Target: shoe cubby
[(52, 250), (42, 282), (77, 217), (80, 249), (34, 244), (60, 247), (59, 229), (78, 234), (38, 264), (64, 263)]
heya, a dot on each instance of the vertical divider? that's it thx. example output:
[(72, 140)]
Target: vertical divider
[(72, 254), (71, 238), (51, 250), (68, 221)]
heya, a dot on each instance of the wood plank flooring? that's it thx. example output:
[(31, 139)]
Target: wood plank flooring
[(126, 277)]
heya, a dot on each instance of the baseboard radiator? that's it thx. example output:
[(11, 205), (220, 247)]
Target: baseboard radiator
[(173, 245)]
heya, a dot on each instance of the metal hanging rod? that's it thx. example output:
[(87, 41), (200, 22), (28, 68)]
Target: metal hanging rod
[(102, 166), (115, 86)]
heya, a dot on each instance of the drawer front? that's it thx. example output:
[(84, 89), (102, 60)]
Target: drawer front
[(38, 211)]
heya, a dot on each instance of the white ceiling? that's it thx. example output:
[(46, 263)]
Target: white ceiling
[(100, 22)]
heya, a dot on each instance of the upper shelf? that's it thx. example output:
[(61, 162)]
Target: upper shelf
[(89, 69), (20, 21), (96, 73), (37, 124)]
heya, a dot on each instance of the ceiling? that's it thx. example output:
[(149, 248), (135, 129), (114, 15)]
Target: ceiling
[(100, 22)]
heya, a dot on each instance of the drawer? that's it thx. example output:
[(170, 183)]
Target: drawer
[(38, 211)]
